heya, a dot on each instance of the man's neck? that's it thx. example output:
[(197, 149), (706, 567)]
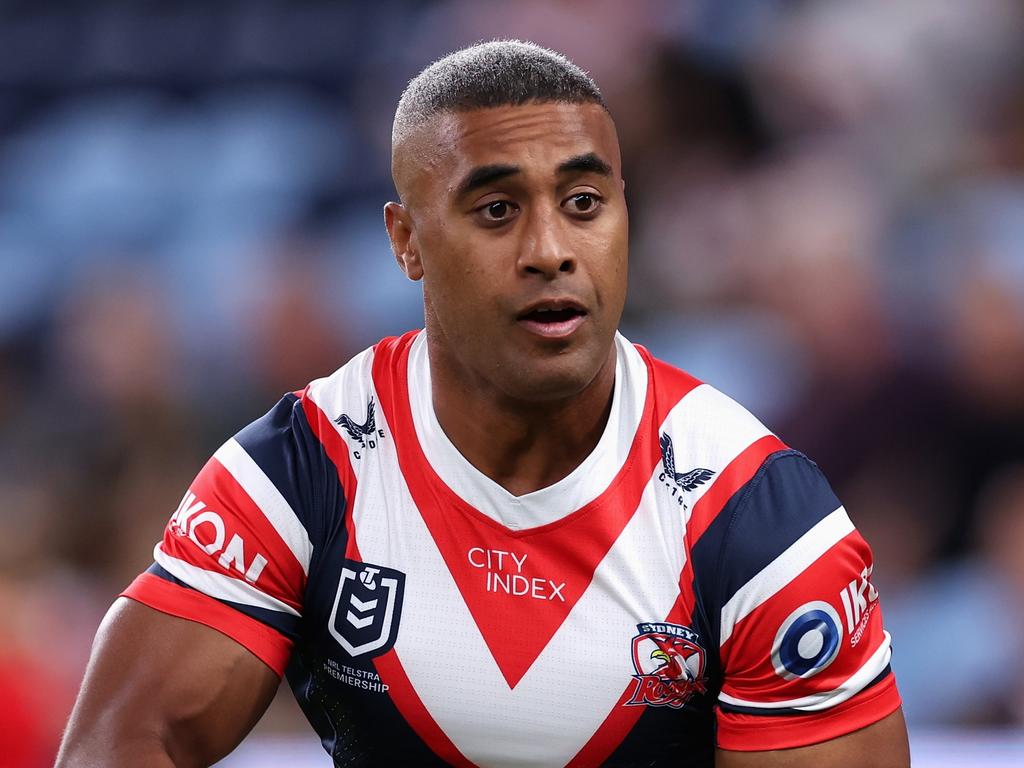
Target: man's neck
[(522, 446)]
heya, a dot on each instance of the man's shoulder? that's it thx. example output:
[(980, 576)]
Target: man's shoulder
[(386, 352), (696, 405), (705, 421), (352, 386)]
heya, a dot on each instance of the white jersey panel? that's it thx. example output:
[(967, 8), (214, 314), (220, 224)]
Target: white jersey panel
[(554, 709)]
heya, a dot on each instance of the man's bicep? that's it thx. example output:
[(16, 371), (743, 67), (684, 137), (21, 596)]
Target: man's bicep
[(164, 690), (880, 745)]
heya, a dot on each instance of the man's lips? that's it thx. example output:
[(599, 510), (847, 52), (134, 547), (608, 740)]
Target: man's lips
[(553, 318)]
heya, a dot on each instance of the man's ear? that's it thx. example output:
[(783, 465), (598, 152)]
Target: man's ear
[(403, 240)]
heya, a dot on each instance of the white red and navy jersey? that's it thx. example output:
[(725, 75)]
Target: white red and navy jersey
[(693, 582)]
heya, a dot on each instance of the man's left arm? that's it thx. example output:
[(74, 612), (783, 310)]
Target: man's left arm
[(804, 654), (881, 745)]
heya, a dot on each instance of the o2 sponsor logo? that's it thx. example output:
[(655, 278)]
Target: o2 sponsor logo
[(808, 641)]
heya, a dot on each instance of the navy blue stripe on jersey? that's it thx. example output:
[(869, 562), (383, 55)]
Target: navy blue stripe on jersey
[(283, 445), (785, 498), (663, 734), (763, 711), (284, 623), (166, 575), (359, 728)]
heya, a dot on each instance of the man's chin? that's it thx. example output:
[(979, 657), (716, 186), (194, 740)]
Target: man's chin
[(552, 379)]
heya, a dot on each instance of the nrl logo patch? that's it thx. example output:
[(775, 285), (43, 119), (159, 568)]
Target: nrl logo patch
[(367, 608), (669, 663)]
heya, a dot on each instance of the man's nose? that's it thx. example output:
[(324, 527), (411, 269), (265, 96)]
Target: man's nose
[(545, 249)]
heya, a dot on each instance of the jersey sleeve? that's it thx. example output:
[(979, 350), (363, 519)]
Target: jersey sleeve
[(236, 553), (803, 652)]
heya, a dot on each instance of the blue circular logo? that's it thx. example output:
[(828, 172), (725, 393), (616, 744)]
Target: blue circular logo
[(808, 641)]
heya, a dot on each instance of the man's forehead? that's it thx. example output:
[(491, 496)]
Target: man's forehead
[(495, 129), (535, 135)]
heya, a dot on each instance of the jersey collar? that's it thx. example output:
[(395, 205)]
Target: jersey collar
[(556, 501)]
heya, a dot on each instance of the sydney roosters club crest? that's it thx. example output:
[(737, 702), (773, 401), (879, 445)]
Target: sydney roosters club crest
[(669, 663)]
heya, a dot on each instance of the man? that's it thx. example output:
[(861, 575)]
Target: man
[(514, 538)]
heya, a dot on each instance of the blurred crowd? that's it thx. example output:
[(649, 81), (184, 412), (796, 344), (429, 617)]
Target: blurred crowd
[(827, 223)]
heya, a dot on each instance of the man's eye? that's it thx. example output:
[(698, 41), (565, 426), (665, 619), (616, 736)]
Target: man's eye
[(499, 210), (584, 202)]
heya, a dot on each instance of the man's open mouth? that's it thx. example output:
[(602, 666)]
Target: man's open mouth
[(555, 319), (552, 315)]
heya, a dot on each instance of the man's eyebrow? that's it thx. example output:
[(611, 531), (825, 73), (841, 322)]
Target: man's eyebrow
[(588, 163), (483, 175)]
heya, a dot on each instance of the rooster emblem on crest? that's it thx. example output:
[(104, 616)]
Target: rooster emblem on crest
[(670, 666)]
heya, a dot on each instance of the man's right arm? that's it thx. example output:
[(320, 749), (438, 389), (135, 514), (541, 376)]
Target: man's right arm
[(190, 657), (163, 691)]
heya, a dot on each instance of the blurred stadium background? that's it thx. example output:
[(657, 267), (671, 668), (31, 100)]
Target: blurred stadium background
[(827, 223)]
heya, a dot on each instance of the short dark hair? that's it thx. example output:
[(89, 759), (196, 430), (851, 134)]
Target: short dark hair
[(498, 73)]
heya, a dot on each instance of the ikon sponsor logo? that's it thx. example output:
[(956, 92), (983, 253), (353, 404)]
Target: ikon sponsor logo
[(859, 600), (504, 575), (204, 527)]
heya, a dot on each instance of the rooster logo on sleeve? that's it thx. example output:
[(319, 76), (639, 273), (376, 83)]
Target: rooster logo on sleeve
[(669, 664)]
